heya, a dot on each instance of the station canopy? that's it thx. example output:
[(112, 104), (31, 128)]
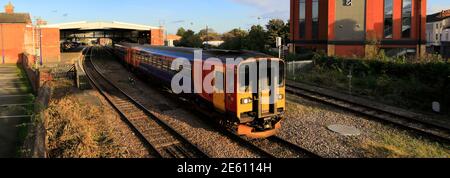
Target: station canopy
[(85, 31), (114, 25)]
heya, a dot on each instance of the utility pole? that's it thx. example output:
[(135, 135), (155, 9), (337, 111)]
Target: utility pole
[(207, 40)]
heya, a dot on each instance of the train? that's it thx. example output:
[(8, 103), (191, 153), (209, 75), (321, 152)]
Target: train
[(242, 110)]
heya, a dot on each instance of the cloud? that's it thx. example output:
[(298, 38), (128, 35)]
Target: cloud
[(268, 8), (434, 9), (179, 21)]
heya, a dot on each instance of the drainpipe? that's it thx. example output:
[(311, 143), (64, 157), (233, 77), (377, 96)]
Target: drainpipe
[(40, 45), (3, 47)]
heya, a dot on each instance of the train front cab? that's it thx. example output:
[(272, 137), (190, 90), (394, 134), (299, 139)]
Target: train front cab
[(258, 118)]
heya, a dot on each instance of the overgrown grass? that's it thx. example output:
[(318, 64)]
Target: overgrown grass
[(77, 130), (25, 86), (403, 146), (400, 83)]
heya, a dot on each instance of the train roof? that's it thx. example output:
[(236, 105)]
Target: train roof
[(188, 53)]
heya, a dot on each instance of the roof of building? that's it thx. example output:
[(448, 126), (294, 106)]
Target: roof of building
[(173, 37), (15, 18), (84, 25), (438, 16)]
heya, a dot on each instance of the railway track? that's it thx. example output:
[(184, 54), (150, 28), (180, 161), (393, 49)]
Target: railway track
[(432, 130), (160, 137), (277, 147), (273, 147)]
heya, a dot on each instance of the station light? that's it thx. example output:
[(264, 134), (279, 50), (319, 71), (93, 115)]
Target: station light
[(280, 96)]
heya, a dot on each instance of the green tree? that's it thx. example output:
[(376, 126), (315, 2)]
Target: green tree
[(256, 39), (181, 31), (276, 28), (189, 39), (209, 35), (234, 39)]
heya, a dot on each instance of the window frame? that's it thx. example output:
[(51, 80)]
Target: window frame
[(302, 22), (384, 20), (315, 27), (410, 20)]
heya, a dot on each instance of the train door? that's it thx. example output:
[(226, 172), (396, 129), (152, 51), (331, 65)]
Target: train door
[(266, 102), (219, 89)]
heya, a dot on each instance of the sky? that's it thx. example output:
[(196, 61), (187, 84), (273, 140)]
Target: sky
[(220, 15)]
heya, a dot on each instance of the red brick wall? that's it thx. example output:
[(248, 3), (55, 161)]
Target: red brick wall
[(50, 45), (349, 50), (11, 42), (157, 37), (17, 39)]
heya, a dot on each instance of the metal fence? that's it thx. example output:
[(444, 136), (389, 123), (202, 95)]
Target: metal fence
[(296, 67)]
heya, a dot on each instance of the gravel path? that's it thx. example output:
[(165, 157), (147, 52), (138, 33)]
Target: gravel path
[(306, 125), (193, 128)]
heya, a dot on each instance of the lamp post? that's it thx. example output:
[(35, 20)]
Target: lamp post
[(279, 44), (39, 32)]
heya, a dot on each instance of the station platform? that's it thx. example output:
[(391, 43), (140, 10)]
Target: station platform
[(16, 107)]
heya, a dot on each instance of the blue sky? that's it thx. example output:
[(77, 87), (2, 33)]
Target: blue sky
[(221, 15)]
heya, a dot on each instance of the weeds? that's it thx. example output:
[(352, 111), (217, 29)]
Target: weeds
[(403, 146), (395, 81)]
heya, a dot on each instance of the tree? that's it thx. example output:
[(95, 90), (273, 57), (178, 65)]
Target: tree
[(209, 35), (276, 28), (234, 39), (189, 39), (256, 39), (181, 31)]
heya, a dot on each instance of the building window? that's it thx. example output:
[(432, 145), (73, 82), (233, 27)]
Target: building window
[(388, 18), (315, 19), (406, 18), (437, 37), (302, 18)]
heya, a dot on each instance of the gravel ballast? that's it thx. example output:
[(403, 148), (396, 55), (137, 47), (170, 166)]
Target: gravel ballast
[(208, 139)]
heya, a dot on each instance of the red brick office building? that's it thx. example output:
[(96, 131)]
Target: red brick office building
[(352, 27), (19, 38)]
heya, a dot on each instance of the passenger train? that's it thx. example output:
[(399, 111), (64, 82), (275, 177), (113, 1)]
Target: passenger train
[(243, 110)]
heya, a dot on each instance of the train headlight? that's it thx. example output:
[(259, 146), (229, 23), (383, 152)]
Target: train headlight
[(246, 101), (280, 97)]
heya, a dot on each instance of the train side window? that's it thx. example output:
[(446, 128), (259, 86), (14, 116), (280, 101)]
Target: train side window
[(152, 60), (166, 64), (160, 62)]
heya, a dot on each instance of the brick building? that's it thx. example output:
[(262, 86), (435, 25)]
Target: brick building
[(19, 38), (353, 27), (438, 33)]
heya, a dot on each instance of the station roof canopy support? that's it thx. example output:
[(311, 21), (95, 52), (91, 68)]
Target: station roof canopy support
[(84, 25)]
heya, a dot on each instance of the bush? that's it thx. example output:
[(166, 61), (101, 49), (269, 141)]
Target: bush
[(395, 81)]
